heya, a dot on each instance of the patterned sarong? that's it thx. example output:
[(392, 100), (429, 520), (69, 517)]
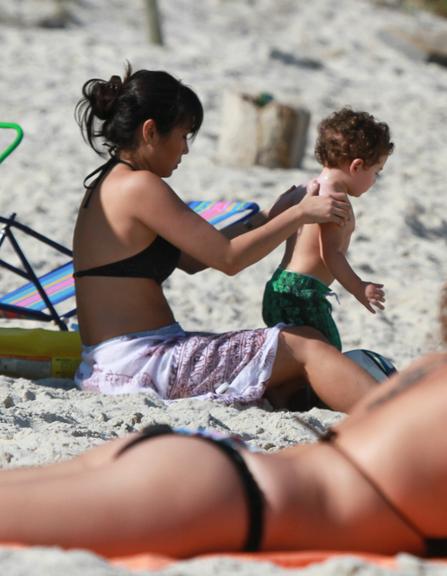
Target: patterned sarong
[(232, 367)]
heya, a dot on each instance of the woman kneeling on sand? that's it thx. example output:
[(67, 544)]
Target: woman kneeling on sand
[(133, 230), (377, 482)]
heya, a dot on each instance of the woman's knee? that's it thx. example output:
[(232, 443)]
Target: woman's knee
[(304, 344), (295, 346), (303, 332)]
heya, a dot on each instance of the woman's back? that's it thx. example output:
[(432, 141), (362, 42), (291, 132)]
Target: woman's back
[(385, 487), (108, 232)]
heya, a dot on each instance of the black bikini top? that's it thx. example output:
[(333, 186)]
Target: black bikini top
[(435, 547), (157, 261)]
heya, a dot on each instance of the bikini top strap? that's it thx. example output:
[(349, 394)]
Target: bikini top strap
[(330, 436), (101, 173)]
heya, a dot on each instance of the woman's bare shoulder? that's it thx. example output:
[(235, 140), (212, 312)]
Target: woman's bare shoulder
[(140, 181), (141, 190), (430, 367)]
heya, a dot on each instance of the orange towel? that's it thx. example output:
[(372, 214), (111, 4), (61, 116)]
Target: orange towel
[(283, 559), (148, 561)]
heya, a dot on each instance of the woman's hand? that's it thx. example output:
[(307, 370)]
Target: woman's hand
[(320, 209)]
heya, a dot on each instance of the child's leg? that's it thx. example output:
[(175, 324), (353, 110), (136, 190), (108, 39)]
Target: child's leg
[(169, 495)]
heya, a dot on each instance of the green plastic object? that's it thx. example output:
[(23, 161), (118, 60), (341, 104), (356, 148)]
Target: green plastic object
[(11, 147), (263, 98)]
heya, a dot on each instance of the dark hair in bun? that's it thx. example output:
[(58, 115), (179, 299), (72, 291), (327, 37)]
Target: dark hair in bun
[(112, 110)]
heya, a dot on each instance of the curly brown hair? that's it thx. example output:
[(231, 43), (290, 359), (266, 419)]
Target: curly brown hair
[(347, 134)]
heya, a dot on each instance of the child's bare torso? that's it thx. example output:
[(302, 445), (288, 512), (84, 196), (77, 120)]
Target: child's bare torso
[(303, 251)]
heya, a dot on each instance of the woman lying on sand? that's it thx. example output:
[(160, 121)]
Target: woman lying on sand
[(377, 482), (133, 231)]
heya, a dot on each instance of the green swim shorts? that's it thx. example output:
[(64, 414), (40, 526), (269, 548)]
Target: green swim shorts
[(300, 300)]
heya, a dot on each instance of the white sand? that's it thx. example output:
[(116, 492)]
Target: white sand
[(215, 45)]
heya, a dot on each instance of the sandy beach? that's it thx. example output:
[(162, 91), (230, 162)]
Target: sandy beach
[(320, 55)]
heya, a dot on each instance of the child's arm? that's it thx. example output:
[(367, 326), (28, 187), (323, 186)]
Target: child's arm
[(332, 239)]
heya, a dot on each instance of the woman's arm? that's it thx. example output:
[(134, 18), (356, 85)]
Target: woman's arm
[(292, 196), (191, 266), (162, 211)]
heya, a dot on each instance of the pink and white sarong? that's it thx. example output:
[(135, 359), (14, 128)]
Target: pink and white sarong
[(231, 367)]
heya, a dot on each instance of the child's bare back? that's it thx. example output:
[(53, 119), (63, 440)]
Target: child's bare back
[(303, 252)]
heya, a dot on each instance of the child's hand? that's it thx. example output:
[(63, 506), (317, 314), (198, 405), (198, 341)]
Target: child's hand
[(370, 295)]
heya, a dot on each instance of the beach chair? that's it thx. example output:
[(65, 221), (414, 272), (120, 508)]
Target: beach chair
[(50, 297), (38, 298), (13, 145)]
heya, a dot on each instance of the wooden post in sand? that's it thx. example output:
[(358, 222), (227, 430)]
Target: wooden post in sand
[(153, 21), (260, 130)]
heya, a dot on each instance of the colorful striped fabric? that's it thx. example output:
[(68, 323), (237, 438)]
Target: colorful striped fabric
[(26, 302), (218, 211), (58, 284)]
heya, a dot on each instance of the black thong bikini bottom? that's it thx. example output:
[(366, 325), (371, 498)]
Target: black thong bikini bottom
[(228, 446)]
